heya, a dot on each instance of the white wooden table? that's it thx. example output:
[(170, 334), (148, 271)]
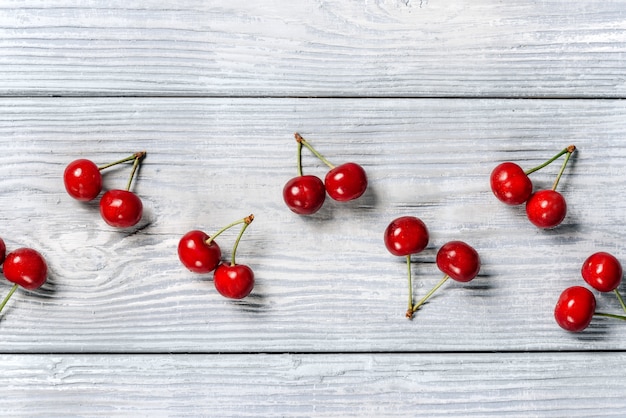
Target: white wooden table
[(427, 95)]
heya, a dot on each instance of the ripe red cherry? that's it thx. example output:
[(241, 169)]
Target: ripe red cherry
[(196, 254), (602, 271), (459, 261), (575, 308), (346, 182), (546, 208), (25, 267), (305, 194), (233, 281), (121, 208), (510, 184), (3, 250), (406, 235), (83, 180)]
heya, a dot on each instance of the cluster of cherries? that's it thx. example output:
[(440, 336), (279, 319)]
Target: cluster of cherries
[(409, 235), (23, 267), (544, 208), (201, 254), (305, 194), (118, 207), (576, 305)]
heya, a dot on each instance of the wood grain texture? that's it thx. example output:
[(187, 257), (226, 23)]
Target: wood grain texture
[(324, 283), (287, 385), (399, 48)]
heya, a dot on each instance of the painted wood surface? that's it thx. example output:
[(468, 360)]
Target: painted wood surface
[(313, 48), (326, 282), (381, 385), (428, 96)]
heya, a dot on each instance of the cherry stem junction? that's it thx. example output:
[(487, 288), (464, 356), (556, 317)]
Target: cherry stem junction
[(409, 312), (568, 150), (610, 315), (621, 300), (135, 156), (246, 222), (303, 141), (430, 293), (6, 299)]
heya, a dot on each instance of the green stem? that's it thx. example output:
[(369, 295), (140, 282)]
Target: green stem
[(6, 299), (299, 158), (246, 222), (569, 150), (138, 158), (130, 158), (609, 315), (230, 225), (621, 300), (429, 294), (409, 311), (303, 141)]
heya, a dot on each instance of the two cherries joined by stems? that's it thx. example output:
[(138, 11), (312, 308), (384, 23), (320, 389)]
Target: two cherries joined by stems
[(409, 235), (118, 207), (201, 254), (23, 267), (305, 194), (511, 185), (576, 305)]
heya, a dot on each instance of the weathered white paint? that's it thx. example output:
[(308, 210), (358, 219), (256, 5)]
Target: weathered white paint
[(121, 329), (381, 385), (313, 48)]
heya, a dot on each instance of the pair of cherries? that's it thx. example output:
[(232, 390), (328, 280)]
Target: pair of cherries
[(409, 235), (23, 267), (305, 194), (576, 305), (201, 254), (511, 185), (119, 208)]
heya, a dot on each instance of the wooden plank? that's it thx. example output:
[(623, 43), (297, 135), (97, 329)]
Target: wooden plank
[(324, 283), (313, 48), (553, 384)]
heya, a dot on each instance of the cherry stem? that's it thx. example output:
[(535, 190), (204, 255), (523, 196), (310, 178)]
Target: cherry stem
[(246, 221), (430, 293), (621, 300), (303, 141), (136, 155), (299, 158), (568, 150), (609, 315), (6, 299), (409, 311)]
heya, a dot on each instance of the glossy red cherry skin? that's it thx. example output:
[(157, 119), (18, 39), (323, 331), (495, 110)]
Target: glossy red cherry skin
[(83, 180), (304, 195), (3, 251), (346, 182), (121, 208), (406, 235), (458, 260), (575, 308), (196, 254), (546, 208), (602, 271), (510, 184), (234, 282), (25, 267)]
